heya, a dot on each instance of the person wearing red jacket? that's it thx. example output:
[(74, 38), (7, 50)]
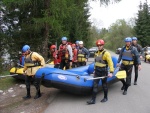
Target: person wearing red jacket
[(65, 54), (54, 55), (75, 53)]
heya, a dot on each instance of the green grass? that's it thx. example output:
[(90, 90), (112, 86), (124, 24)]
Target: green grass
[(7, 82), (5, 73)]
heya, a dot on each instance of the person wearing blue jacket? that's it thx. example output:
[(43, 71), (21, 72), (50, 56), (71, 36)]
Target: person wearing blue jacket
[(22, 59), (77, 44), (139, 49), (128, 55)]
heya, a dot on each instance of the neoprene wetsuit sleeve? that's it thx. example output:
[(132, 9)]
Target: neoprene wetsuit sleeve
[(108, 58), (39, 58), (135, 52), (141, 50), (87, 53)]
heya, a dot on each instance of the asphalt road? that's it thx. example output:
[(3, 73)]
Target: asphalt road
[(136, 101)]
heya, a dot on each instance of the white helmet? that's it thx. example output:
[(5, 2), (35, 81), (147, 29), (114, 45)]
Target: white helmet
[(80, 42)]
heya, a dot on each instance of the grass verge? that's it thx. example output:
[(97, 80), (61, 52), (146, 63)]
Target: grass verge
[(7, 82)]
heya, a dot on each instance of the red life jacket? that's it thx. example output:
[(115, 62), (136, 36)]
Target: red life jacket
[(63, 52), (75, 53), (55, 57)]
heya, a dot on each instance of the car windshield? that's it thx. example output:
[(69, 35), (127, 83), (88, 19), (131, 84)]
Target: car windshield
[(93, 48)]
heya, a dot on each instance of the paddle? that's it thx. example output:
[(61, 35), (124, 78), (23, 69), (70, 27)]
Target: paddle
[(8, 75), (16, 74), (20, 65), (47, 61), (117, 73)]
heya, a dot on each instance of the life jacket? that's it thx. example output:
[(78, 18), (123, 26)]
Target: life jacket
[(63, 52), (55, 57), (30, 63), (99, 62), (74, 51), (147, 57), (127, 54), (81, 55)]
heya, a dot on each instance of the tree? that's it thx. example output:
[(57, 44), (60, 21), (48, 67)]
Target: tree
[(107, 2), (93, 35), (142, 27), (114, 36), (103, 31), (45, 21)]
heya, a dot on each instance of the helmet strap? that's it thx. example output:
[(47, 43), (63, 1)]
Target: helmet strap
[(101, 49)]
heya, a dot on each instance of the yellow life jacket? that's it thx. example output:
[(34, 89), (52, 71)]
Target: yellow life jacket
[(81, 56), (127, 62), (30, 63), (148, 57), (99, 62)]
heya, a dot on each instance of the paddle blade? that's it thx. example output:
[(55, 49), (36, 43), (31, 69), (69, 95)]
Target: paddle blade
[(121, 74)]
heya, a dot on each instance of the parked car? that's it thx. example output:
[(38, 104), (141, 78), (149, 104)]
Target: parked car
[(118, 50), (92, 50)]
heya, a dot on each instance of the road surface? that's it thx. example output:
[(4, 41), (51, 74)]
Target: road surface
[(136, 101)]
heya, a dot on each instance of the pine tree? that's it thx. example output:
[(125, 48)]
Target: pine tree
[(41, 22), (142, 27)]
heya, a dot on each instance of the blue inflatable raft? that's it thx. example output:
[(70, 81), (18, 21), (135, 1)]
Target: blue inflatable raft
[(72, 80)]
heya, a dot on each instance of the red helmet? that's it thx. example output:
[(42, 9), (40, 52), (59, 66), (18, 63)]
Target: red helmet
[(73, 45), (100, 42), (53, 47)]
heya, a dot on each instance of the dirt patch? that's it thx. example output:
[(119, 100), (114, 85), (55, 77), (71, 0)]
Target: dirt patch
[(12, 102)]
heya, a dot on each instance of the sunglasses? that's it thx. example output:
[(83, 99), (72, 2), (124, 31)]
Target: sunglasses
[(99, 45)]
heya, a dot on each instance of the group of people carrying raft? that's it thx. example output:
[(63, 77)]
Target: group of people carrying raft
[(75, 55)]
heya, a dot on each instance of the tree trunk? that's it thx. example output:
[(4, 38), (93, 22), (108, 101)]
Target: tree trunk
[(46, 32), (45, 43)]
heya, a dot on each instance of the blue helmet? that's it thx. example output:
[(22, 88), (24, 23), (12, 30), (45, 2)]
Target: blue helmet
[(134, 38), (77, 42), (128, 39), (25, 48), (64, 38)]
